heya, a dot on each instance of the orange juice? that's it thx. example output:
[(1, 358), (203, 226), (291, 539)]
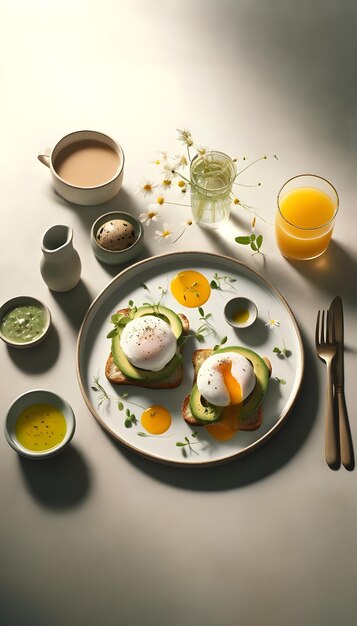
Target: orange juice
[(305, 219)]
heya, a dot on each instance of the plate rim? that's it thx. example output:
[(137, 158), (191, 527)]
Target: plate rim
[(196, 463)]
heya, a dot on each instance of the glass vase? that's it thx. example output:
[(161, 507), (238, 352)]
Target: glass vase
[(212, 176)]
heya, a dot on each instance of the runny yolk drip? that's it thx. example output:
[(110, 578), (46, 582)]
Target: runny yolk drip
[(232, 385), (228, 424), (190, 288), (156, 419)]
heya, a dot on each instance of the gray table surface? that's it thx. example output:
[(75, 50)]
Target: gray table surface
[(98, 535)]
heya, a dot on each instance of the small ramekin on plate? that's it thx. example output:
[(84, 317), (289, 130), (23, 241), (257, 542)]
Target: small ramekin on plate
[(240, 304), (115, 257), (25, 401), (11, 304)]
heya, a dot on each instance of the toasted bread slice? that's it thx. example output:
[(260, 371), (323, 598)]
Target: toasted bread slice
[(252, 422), (116, 376)]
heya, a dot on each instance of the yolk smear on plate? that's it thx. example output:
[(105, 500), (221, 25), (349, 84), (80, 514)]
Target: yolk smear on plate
[(190, 288), (156, 420), (227, 426), (40, 427)]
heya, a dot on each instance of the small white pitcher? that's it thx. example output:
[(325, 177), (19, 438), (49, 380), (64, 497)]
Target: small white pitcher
[(60, 264)]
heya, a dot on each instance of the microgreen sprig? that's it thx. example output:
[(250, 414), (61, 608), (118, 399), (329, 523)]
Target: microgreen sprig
[(105, 396), (120, 319), (217, 281), (187, 442), (130, 419), (283, 352), (252, 240), (98, 388), (206, 327), (221, 343), (190, 288), (281, 381), (158, 301)]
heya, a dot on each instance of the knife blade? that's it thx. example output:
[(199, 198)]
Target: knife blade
[(347, 455), (336, 308)]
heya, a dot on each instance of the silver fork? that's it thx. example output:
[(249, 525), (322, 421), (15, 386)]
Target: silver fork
[(326, 350)]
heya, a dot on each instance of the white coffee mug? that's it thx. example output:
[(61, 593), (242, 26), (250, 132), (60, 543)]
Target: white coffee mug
[(96, 194)]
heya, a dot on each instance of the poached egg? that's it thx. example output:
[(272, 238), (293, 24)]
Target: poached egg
[(226, 379), (148, 342)]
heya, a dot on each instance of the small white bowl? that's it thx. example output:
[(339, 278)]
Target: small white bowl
[(237, 304), (25, 301), (38, 396), (115, 257)]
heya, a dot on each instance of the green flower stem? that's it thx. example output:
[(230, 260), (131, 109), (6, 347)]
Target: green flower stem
[(250, 165), (177, 203)]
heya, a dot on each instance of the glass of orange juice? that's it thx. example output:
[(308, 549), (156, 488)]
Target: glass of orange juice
[(307, 208)]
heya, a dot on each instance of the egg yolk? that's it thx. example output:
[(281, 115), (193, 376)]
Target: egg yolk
[(232, 385), (228, 424), (156, 420), (190, 288)]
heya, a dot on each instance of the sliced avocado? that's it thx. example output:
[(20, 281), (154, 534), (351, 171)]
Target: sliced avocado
[(134, 373), (205, 413), (166, 314), (199, 411)]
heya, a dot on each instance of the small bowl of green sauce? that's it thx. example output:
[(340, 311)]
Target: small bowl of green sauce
[(240, 312), (24, 321), (39, 424)]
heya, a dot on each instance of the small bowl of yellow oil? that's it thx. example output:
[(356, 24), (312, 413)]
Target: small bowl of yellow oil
[(39, 424), (240, 312)]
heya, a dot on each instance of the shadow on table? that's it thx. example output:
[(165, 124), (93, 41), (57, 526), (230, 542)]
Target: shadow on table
[(39, 358), (58, 483), (114, 270), (123, 201), (326, 272), (74, 303), (269, 458)]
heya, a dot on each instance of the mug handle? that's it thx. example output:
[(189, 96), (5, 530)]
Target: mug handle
[(44, 157)]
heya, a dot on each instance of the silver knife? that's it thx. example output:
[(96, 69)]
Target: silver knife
[(347, 456)]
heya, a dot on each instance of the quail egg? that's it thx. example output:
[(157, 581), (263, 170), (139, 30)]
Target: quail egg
[(116, 235)]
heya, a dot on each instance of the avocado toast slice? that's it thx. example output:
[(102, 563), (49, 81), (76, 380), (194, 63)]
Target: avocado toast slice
[(195, 413), (120, 371)]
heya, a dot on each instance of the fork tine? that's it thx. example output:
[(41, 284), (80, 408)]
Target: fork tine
[(323, 328), (317, 332)]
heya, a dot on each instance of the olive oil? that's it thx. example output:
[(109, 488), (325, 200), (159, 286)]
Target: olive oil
[(40, 427), (240, 316)]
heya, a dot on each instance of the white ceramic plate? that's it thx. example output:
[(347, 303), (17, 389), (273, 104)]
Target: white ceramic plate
[(93, 349)]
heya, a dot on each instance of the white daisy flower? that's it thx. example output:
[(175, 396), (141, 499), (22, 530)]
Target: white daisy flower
[(201, 150), (165, 233), (149, 216), (272, 323), (181, 159), (166, 182), (186, 224), (170, 168), (185, 136), (146, 188), (160, 200)]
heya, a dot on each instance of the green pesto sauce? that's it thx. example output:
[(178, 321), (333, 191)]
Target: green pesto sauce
[(23, 323)]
